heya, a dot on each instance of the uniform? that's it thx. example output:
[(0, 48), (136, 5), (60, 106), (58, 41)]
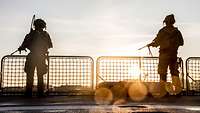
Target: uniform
[(169, 39), (38, 42)]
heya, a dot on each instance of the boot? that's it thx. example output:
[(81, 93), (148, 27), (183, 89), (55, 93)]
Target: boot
[(176, 85)]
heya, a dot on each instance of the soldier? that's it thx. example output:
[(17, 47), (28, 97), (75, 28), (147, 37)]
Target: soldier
[(38, 42), (169, 38)]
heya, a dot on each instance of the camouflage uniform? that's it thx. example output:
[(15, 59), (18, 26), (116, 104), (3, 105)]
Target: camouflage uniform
[(38, 42), (169, 39)]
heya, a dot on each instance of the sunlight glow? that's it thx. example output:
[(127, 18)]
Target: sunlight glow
[(103, 96), (137, 91), (134, 71)]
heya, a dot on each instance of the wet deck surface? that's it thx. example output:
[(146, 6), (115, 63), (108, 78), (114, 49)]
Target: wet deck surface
[(86, 104)]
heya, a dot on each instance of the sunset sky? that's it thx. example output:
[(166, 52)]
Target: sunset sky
[(99, 27)]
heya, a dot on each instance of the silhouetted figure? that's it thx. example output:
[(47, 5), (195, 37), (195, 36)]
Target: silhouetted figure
[(38, 42), (169, 38)]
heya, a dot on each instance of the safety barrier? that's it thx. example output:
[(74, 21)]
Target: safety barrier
[(115, 69), (71, 75), (75, 74), (13, 78), (67, 75), (193, 76)]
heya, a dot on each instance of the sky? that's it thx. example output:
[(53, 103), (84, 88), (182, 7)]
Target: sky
[(99, 27)]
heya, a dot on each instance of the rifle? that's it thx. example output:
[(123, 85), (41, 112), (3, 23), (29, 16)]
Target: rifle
[(143, 47), (14, 52), (33, 19), (31, 29), (148, 49)]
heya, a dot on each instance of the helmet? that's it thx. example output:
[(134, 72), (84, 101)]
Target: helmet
[(169, 19), (39, 23)]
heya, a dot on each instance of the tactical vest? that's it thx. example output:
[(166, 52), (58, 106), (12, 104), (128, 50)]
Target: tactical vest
[(38, 42)]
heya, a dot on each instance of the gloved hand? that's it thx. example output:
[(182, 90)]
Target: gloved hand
[(151, 44), (20, 49)]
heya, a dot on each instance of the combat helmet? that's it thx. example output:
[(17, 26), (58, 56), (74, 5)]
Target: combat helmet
[(39, 23), (169, 19)]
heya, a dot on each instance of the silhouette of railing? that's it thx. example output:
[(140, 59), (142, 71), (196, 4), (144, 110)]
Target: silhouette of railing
[(114, 69), (75, 74), (193, 76), (13, 78), (70, 75), (66, 75)]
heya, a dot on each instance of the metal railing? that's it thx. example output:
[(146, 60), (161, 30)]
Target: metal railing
[(75, 74), (115, 69), (13, 78), (70, 75), (193, 76), (67, 75)]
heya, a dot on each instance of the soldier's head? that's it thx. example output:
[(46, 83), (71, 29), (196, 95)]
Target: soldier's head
[(39, 24), (169, 20)]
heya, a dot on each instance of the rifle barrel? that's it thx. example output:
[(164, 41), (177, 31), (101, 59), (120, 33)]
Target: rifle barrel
[(32, 21), (14, 52), (142, 47)]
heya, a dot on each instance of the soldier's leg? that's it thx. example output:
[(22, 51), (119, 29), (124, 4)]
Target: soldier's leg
[(29, 69), (173, 66), (29, 83), (162, 71), (175, 76), (41, 70), (40, 86)]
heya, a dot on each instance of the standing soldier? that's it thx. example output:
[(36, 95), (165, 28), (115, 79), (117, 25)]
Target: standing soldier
[(38, 42), (169, 38)]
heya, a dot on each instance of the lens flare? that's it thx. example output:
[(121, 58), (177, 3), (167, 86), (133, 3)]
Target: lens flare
[(137, 91), (157, 90), (119, 90), (103, 96), (119, 102), (134, 71), (175, 87)]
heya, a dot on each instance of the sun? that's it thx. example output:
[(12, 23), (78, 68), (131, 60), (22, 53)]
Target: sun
[(134, 71)]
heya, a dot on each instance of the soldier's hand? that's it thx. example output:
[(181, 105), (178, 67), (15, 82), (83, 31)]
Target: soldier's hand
[(151, 44), (20, 49)]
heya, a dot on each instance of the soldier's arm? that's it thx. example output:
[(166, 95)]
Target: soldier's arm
[(24, 43), (49, 41), (180, 40), (156, 40), (154, 43)]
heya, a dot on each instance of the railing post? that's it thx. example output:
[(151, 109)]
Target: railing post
[(48, 64)]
